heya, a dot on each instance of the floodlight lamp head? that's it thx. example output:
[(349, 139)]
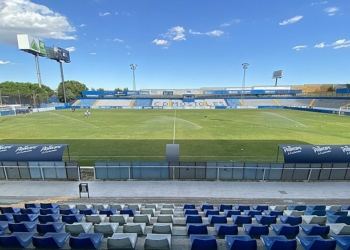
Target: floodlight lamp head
[(245, 65)]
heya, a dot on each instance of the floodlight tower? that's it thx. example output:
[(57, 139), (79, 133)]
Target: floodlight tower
[(277, 75), (133, 67), (245, 66)]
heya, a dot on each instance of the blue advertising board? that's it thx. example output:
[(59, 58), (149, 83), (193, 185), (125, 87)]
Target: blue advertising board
[(315, 153), (32, 152)]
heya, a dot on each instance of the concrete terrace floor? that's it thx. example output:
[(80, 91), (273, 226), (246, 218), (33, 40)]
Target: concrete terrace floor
[(16, 193)]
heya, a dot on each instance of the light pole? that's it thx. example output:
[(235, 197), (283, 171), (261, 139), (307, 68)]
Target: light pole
[(245, 66), (133, 67)]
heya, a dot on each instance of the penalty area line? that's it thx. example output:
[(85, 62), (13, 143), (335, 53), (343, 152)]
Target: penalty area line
[(287, 119), (75, 120)]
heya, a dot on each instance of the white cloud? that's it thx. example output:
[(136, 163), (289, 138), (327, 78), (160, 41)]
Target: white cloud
[(25, 17), (93, 53), (4, 62), (331, 10), (70, 49), (176, 33), (209, 33), (299, 47), (118, 40), (320, 45), (161, 42), (342, 43), (291, 20), (116, 13), (234, 21), (323, 2), (82, 25), (339, 44), (104, 14), (342, 46), (128, 47)]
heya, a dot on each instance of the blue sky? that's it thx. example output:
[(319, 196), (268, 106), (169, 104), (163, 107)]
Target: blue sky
[(179, 44)]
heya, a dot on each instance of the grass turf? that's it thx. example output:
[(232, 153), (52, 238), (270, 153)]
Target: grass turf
[(242, 135)]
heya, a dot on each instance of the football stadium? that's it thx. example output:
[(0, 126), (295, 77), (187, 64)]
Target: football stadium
[(190, 158), (266, 168)]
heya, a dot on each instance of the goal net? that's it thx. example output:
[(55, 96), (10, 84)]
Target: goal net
[(345, 110)]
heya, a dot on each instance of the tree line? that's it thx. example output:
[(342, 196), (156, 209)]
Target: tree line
[(31, 93)]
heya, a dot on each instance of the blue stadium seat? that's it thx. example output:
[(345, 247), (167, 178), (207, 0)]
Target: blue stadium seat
[(225, 229), (338, 219), (33, 210), (241, 219), (48, 205), (273, 212), (260, 207), (188, 206), (242, 207), (279, 242), (223, 207), (255, 230), (6, 217), (208, 212), (69, 211), (343, 241), (191, 211), (196, 229), (22, 226), (130, 212), (297, 207), (50, 227), (49, 218), (31, 205), (50, 240), (345, 207), (314, 229), (202, 242), (243, 242), (4, 225), (286, 230), (317, 243), (335, 212), (108, 211), (88, 211), (71, 218), (292, 220), (10, 210), (213, 219), (252, 212), (229, 213), (316, 207), (16, 240), (86, 241), (25, 217), (192, 218), (45, 211), (265, 219), (315, 212), (206, 206)]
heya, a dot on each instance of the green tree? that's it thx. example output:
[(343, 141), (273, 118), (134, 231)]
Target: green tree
[(73, 89), (25, 93)]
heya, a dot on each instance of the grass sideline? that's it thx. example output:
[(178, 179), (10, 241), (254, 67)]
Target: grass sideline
[(241, 135)]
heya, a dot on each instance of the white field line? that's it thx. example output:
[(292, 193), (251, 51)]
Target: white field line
[(188, 156), (75, 120), (287, 119), (174, 127), (189, 122)]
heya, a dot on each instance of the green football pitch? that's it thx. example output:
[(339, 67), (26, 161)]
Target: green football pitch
[(241, 135)]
